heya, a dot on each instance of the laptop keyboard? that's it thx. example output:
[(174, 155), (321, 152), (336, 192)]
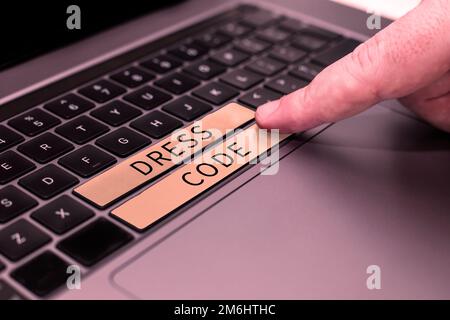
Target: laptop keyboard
[(56, 158)]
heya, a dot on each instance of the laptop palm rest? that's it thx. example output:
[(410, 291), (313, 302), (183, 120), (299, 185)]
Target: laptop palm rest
[(371, 190)]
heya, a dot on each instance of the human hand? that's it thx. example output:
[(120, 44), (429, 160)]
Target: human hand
[(408, 60)]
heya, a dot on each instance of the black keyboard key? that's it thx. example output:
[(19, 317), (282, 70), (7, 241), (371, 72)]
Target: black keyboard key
[(337, 52), (286, 84), (273, 34), (259, 96), (132, 77), (9, 293), (322, 33), (88, 248), (123, 142), (116, 113), (188, 51), (307, 71), (287, 54), (148, 98), (102, 91), (82, 129), (13, 203), (308, 42), (161, 64), (216, 93), (69, 106), (62, 214), (266, 66), (229, 57), (42, 274), (187, 108), (87, 161), (259, 18), (205, 69), (212, 40), (177, 83), (13, 166), (235, 29), (34, 122), (20, 239), (8, 138), (252, 45), (156, 124), (242, 79), (48, 181), (45, 148), (291, 24)]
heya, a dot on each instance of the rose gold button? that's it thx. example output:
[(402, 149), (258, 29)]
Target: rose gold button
[(111, 185), (194, 178)]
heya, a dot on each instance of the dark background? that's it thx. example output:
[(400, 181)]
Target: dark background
[(29, 28)]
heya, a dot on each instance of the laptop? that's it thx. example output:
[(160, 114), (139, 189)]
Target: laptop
[(92, 205)]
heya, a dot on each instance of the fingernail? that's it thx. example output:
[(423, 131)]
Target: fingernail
[(267, 109)]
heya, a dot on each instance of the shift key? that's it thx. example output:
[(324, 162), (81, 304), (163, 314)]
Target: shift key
[(147, 165)]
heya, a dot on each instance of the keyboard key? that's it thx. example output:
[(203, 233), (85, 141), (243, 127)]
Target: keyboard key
[(258, 97), (8, 138), (306, 71), (62, 214), (88, 248), (215, 93), (69, 106), (13, 203), (337, 52), (212, 40), (188, 51), (48, 181), (259, 18), (308, 42), (273, 34), (132, 77), (177, 83), (82, 129), (205, 69), (322, 33), (13, 166), (235, 29), (45, 148), (158, 159), (287, 54), (20, 239), (87, 161), (266, 66), (123, 142), (291, 24), (161, 64), (286, 84), (147, 97), (187, 108), (242, 79), (229, 57), (102, 91), (116, 113), (43, 274), (194, 178), (34, 122), (252, 45), (9, 293), (156, 124)]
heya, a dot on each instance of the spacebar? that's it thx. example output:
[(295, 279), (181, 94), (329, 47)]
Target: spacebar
[(191, 180), (158, 159)]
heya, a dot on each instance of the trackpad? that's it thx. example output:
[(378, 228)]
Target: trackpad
[(369, 191)]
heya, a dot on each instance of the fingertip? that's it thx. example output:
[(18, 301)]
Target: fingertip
[(264, 113)]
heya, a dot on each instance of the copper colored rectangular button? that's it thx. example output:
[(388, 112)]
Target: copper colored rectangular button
[(154, 161), (194, 178)]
